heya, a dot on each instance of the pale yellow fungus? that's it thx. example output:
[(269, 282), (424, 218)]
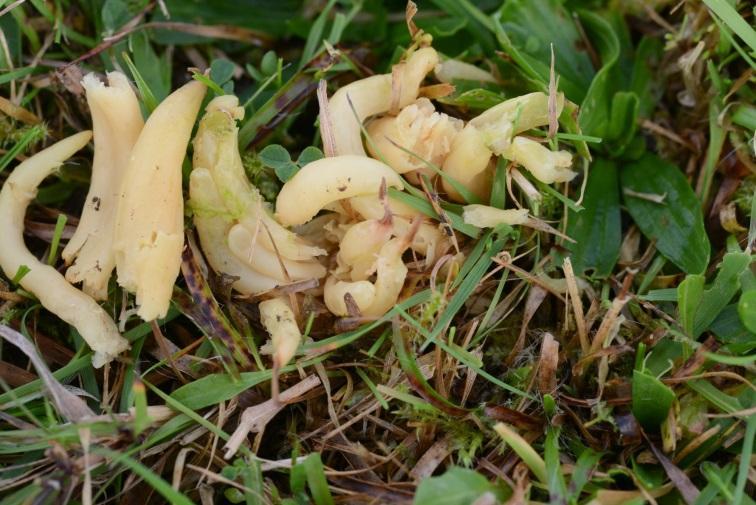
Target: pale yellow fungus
[(54, 293)]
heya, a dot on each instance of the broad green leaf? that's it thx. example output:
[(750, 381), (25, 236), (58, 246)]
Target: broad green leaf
[(689, 294), (729, 329), (269, 63), (308, 155), (624, 121), (581, 473), (442, 27), (596, 111), (530, 27), (651, 400), (747, 310), (115, 13), (154, 69), (698, 307), (272, 17), (221, 71), (458, 486), (645, 82), (675, 224), (597, 228), (478, 24), (286, 172), (275, 156)]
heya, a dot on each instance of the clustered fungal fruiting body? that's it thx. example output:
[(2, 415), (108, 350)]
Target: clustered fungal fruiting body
[(116, 123), (53, 291), (149, 232), (133, 217), (239, 235)]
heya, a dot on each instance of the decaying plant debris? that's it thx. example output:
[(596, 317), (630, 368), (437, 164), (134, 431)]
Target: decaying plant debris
[(474, 253)]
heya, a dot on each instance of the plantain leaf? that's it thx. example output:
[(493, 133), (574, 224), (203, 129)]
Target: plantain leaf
[(597, 228), (663, 205), (651, 400)]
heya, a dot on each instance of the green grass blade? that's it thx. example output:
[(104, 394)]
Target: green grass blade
[(735, 21), (154, 480)]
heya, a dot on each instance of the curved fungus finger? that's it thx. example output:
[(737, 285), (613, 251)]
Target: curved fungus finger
[(54, 293), (484, 216), (389, 281), (491, 133), (242, 244), (216, 147), (117, 122), (371, 207), (279, 321), (418, 128), (361, 245), (362, 292), (519, 114), (330, 179), (452, 70), (546, 165), (374, 95), (149, 234), (213, 226), (468, 163)]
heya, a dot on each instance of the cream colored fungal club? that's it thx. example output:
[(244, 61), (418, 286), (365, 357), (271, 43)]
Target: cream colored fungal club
[(361, 245), (213, 224), (117, 122), (468, 163), (390, 275), (55, 294), (216, 148), (491, 133), (428, 241), (328, 180), (453, 70), (376, 95), (547, 166), (279, 321), (484, 216), (419, 129), (149, 232), (242, 244)]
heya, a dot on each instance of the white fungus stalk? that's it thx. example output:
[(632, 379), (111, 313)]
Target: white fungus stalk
[(419, 129), (374, 95), (279, 321), (484, 216), (546, 165), (149, 233), (117, 122), (54, 293), (328, 180)]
